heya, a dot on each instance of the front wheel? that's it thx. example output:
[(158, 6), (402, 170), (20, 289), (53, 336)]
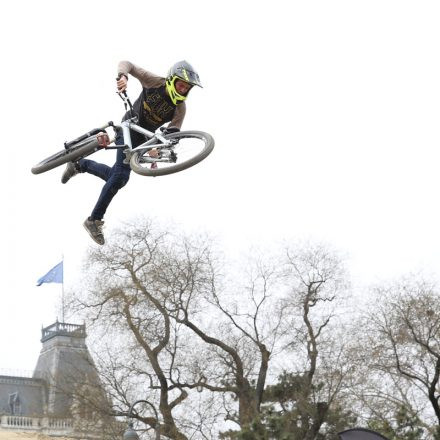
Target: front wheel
[(190, 148), (75, 152)]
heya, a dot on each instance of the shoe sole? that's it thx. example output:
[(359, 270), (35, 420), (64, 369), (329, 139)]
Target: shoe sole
[(64, 179), (91, 235)]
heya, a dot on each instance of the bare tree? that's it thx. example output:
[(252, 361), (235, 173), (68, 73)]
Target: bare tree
[(249, 330), (176, 322), (317, 283), (404, 352), (129, 299)]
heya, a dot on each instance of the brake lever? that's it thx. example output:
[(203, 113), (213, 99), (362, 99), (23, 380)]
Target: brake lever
[(123, 95)]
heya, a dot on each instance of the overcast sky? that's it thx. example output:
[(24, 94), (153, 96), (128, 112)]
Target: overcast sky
[(325, 115)]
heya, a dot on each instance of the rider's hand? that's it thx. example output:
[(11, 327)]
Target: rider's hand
[(154, 153), (121, 83), (103, 139), (169, 130)]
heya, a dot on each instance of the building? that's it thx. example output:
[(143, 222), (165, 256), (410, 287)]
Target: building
[(63, 398)]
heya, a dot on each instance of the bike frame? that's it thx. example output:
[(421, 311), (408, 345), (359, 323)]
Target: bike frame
[(131, 124), (163, 145), (151, 141)]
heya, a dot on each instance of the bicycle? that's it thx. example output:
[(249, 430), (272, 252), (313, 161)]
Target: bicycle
[(174, 152)]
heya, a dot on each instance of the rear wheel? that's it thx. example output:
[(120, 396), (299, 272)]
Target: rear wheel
[(191, 148), (75, 152)]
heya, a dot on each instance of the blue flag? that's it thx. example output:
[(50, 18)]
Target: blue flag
[(55, 275)]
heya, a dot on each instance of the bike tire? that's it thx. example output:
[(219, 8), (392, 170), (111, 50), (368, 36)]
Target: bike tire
[(205, 151), (75, 152)]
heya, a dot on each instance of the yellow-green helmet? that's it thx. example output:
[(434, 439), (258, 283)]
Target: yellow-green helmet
[(185, 72)]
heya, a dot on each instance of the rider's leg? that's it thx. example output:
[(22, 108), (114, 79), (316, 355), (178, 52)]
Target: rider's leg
[(89, 166), (118, 178), (99, 169)]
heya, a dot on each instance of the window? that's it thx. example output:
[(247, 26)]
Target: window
[(14, 404)]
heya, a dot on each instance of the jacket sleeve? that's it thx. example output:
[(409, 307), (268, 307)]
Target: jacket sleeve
[(179, 116), (147, 79)]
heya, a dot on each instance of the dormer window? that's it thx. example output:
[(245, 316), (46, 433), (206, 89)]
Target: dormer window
[(14, 404)]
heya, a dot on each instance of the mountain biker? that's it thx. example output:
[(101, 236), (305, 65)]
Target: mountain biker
[(162, 100)]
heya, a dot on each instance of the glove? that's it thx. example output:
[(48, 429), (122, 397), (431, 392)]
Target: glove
[(169, 130)]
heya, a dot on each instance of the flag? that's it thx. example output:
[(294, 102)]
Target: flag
[(361, 434), (55, 275)]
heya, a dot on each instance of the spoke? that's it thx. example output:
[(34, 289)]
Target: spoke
[(183, 149)]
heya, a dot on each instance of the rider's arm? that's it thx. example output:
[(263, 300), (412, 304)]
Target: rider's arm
[(178, 117), (147, 79)]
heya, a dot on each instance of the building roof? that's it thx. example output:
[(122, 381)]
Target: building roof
[(53, 400)]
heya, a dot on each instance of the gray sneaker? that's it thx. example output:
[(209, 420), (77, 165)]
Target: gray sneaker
[(94, 228), (70, 171)]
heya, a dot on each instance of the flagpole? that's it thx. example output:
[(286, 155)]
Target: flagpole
[(62, 300), (56, 275), (62, 293)]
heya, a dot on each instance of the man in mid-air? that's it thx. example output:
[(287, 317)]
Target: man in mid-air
[(162, 100)]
